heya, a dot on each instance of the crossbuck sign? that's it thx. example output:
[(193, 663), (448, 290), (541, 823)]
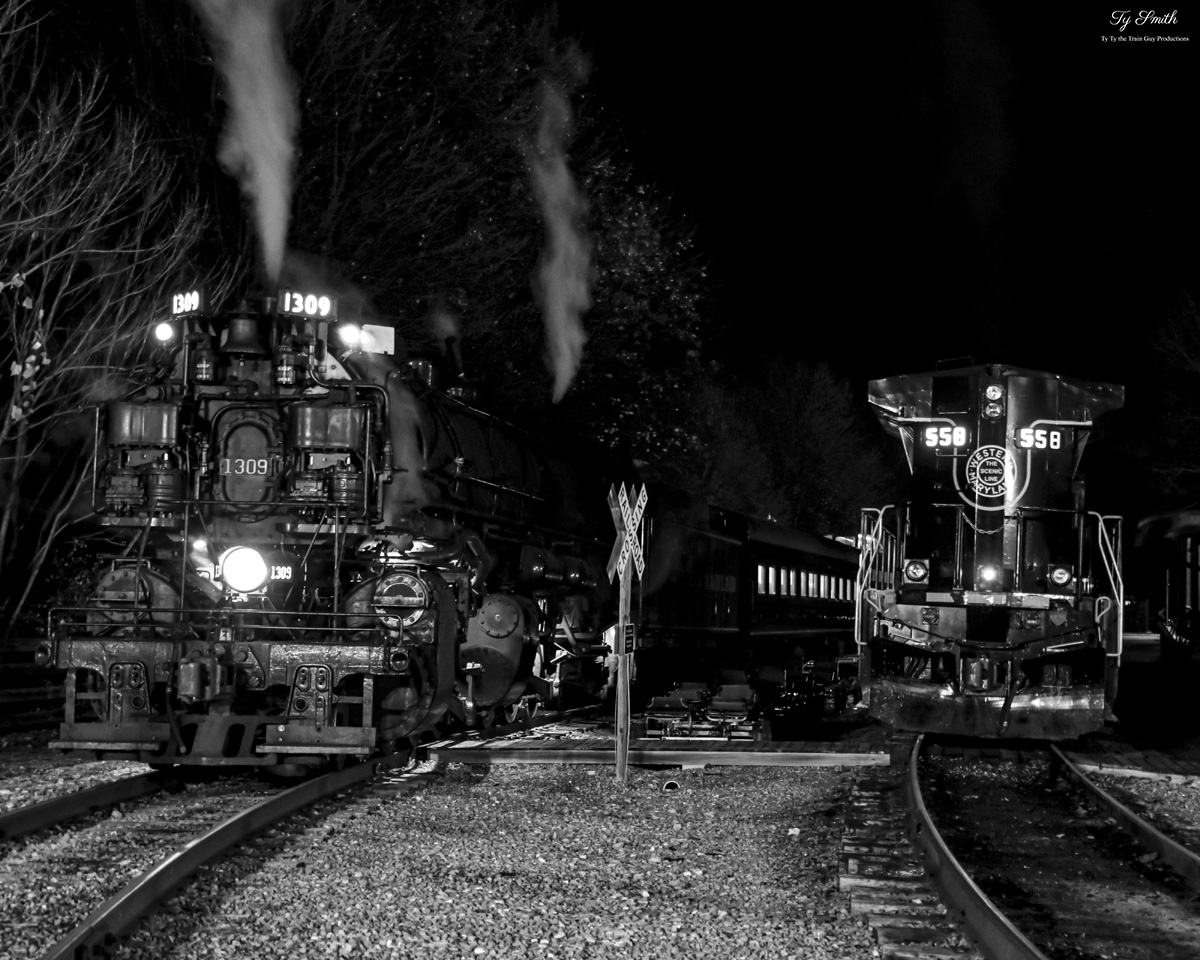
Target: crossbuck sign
[(628, 520)]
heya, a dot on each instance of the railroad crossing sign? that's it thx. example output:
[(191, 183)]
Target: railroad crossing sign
[(628, 521)]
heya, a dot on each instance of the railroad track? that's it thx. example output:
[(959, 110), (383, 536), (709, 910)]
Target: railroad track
[(1017, 860), (190, 827)]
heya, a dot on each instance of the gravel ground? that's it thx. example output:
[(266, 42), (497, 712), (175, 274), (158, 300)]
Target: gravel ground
[(1169, 803), (535, 861), (31, 772), (51, 880)]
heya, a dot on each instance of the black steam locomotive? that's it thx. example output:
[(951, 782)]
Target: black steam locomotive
[(322, 550), (322, 553), (990, 601)]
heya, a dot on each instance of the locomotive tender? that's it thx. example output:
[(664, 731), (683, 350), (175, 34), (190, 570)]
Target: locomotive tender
[(323, 555), (324, 552), (990, 601)]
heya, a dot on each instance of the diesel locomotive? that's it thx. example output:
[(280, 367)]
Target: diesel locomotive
[(321, 551), (990, 601)]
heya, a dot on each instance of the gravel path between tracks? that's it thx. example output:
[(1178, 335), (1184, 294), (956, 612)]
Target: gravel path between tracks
[(538, 862), (31, 772), (1169, 803)]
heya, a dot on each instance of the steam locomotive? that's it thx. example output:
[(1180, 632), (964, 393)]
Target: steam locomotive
[(990, 601), (322, 553), (324, 549)]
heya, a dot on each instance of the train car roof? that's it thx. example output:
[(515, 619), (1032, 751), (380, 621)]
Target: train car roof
[(755, 530)]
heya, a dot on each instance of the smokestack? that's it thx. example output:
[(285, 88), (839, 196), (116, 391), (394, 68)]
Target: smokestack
[(257, 145)]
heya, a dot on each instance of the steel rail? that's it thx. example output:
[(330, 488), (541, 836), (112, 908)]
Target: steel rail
[(994, 934), (120, 914), (1178, 857), (47, 813)]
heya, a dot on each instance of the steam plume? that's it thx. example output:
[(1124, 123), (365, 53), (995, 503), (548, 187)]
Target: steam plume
[(257, 145), (563, 278)]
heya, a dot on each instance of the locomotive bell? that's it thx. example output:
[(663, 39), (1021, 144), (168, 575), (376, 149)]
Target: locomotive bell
[(242, 337)]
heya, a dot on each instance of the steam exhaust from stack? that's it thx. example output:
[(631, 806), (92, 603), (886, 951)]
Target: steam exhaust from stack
[(258, 143), (563, 279)]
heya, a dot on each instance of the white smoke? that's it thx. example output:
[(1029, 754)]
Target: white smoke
[(563, 278), (257, 146)]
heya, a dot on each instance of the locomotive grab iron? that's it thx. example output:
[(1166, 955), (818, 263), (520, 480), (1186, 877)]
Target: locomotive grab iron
[(990, 601)]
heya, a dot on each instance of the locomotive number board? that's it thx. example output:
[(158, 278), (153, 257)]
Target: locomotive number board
[(1030, 438), (945, 436), (314, 306), (188, 302)]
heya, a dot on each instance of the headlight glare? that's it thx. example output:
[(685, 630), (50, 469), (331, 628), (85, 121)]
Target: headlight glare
[(243, 569)]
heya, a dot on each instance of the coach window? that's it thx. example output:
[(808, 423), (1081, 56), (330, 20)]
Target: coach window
[(762, 579), (773, 581), (825, 585), (812, 585), (792, 582)]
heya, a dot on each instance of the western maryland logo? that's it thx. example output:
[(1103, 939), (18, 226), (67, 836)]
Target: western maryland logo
[(991, 474), (991, 471)]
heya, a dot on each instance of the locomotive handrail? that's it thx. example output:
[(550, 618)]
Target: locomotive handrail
[(1110, 555), (870, 547)]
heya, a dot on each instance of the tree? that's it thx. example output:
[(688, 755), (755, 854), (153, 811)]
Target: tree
[(828, 458), (93, 230)]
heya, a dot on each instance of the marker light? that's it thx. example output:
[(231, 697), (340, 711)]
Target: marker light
[(1060, 576), (164, 332), (916, 570), (243, 569)]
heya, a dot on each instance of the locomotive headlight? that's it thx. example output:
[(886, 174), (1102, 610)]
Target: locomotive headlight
[(993, 391), (349, 334), (916, 571), (989, 574), (243, 569), (992, 410), (164, 333)]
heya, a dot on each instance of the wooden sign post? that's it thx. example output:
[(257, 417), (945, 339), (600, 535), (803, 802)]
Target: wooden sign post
[(628, 521)]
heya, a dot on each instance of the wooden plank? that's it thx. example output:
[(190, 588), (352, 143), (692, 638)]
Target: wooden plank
[(738, 758)]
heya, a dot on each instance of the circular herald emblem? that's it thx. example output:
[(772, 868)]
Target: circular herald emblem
[(991, 471)]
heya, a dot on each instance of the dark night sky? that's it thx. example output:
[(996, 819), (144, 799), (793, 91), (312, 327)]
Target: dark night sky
[(946, 179)]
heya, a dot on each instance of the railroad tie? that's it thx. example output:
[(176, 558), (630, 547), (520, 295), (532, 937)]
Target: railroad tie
[(884, 874)]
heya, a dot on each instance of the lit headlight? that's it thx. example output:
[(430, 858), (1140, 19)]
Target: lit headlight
[(992, 410), (243, 569), (989, 574), (164, 332), (916, 571), (349, 334), (993, 391)]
